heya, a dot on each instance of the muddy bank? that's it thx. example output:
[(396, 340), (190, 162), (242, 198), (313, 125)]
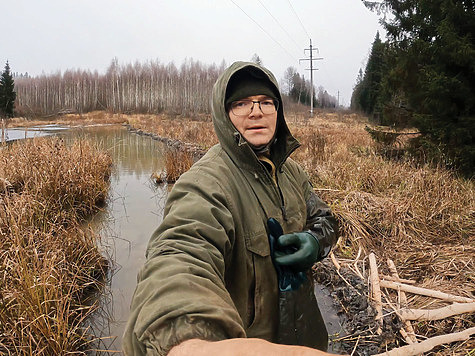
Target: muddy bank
[(349, 294)]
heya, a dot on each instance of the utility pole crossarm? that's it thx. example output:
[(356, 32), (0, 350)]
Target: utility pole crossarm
[(311, 59)]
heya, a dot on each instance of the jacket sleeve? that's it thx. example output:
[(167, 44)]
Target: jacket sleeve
[(181, 291), (320, 221)]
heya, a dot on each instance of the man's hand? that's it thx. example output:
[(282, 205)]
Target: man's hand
[(240, 347), (298, 250)]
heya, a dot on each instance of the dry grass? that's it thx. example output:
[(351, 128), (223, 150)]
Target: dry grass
[(49, 264), (94, 117), (177, 162), (422, 218), (199, 132), (395, 209)]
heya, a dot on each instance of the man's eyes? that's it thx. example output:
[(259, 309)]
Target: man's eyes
[(240, 104), (267, 103)]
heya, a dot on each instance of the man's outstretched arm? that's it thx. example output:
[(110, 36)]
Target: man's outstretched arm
[(241, 347)]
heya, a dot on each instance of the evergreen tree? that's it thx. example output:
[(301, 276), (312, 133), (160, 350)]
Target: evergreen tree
[(366, 95), (7, 93), (432, 45), (355, 96)]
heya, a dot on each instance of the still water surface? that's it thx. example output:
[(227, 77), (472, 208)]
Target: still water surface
[(134, 210)]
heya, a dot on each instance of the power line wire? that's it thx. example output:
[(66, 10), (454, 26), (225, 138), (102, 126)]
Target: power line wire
[(298, 18), (278, 23), (272, 38)]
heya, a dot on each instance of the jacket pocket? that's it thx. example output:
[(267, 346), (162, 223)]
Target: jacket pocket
[(258, 243), (258, 254)]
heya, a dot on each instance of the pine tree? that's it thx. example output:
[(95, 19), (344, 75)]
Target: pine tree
[(366, 95), (7, 93)]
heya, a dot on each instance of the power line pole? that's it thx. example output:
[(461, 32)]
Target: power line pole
[(311, 59)]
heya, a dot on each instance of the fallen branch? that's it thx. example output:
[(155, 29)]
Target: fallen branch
[(357, 270), (429, 344), (376, 292), (437, 314), (335, 261), (426, 292), (397, 279)]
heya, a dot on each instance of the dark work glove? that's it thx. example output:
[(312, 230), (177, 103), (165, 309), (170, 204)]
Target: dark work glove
[(298, 250)]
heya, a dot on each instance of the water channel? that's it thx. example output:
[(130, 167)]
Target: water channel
[(133, 211)]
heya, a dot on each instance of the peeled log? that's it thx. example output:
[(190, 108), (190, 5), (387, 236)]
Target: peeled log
[(376, 291), (429, 344), (437, 314), (423, 291)]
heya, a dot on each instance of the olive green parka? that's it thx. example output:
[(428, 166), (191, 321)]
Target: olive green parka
[(209, 272)]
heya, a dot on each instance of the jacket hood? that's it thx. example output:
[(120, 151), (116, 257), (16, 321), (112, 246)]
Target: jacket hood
[(231, 139)]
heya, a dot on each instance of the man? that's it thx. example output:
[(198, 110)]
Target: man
[(226, 269)]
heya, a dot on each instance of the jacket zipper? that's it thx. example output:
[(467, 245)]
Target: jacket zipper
[(282, 204)]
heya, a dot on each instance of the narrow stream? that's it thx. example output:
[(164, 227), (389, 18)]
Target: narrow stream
[(134, 210)]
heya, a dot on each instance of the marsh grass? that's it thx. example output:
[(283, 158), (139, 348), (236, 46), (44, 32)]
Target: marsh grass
[(417, 215), (49, 264), (176, 163), (199, 132), (90, 118), (422, 217)]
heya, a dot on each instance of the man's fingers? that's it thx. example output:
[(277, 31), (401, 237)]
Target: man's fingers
[(288, 240), (288, 260)]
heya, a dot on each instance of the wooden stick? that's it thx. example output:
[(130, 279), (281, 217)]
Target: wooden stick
[(411, 334), (429, 344), (437, 314), (396, 279), (424, 291), (376, 291), (357, 270), (335, 261)]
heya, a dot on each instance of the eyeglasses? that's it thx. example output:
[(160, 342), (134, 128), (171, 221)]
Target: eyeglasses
[(245, 107)]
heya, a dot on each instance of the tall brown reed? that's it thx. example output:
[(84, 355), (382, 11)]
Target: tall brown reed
[(176, 163), (190, 131), (395, 208), (48, 262)]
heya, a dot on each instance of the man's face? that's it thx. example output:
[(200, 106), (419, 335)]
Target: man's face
[(257, 128)]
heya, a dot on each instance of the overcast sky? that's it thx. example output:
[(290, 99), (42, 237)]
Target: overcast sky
[(46, 36)]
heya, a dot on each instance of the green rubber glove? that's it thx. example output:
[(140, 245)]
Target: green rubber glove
[(298, 250)]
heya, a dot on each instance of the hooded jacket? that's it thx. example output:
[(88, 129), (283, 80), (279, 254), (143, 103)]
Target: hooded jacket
[(209, 273)]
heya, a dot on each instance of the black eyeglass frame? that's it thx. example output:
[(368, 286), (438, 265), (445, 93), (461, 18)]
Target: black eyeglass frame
[(275, 102)]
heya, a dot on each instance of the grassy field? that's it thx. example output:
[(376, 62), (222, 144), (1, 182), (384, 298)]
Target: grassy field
[(50, 266)]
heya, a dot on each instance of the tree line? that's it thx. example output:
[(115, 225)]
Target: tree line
[(299, 90), (423, 76), (152, 87)]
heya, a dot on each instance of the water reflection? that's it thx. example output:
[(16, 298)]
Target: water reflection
[(134, 210)]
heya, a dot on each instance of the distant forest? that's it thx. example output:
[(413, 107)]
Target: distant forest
[(150, 87)]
